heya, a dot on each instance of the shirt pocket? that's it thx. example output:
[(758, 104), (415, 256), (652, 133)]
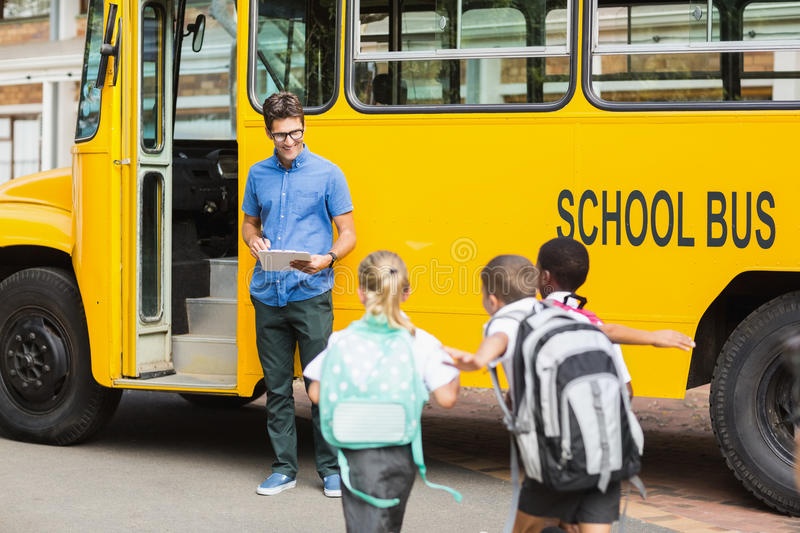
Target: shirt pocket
[(304, 204)]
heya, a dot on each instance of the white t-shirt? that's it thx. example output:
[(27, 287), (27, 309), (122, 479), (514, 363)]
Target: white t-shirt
[(506, 320), (564, 298), (430, 360)]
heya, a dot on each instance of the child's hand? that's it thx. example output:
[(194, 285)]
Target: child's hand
[(668, 338), (462, 360)]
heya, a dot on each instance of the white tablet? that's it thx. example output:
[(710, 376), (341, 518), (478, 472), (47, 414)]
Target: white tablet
[(273, 260)]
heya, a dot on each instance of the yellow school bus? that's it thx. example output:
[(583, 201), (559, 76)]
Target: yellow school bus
[(661, 133)]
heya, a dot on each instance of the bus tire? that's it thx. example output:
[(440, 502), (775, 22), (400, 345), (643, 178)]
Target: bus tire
[(215, 401), (751, 404), (47, 392)]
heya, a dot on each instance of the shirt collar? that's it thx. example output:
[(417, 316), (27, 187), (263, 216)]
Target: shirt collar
[(298, 162), (525, 304), (564, 297), (558, 296)]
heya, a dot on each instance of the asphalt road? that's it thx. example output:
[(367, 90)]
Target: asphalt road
[(165, 465)]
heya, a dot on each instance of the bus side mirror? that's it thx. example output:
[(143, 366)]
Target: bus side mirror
[(198, 28), (107, 49)]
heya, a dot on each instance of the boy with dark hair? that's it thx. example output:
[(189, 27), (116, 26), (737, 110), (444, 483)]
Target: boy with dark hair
[(563, 265), (566, 258)]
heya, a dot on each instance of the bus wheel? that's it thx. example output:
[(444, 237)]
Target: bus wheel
[(47, 392), (751, 404), (215, 401)]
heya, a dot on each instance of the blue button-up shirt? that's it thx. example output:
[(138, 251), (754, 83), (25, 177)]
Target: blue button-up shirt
[(296, 208)]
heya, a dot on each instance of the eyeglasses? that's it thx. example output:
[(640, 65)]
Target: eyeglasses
[(280, 136)]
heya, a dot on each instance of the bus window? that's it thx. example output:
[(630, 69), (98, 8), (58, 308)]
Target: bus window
[(771, 21), (771, 75), (460, 52), (153, 45), (673, 53), (207, 88), (150, 248), (294, 50), (89, 97)]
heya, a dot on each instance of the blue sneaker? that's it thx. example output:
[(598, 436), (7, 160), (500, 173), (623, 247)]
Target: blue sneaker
[(275, 484), (332, 486)]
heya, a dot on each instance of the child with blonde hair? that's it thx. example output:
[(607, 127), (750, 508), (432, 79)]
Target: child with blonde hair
[(384, 339)]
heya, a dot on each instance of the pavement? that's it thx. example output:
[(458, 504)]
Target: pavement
[(689, 487)]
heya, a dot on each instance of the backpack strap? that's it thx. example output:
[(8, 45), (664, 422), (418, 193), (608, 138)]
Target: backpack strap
[(508, 417), (636, 482), (344, 471), (416, 452), (384, 503), (509, 421), (593, 318), (605, 458), (572, 296), (518, 316)]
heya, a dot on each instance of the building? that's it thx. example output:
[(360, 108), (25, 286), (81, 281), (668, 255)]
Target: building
[(41, 44)]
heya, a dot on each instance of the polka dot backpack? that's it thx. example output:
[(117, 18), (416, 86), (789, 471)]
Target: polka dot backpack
[(371, 395)]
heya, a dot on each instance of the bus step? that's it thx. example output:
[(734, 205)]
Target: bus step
[(204, 354), (223, 277), (189, 382), (212, 316)]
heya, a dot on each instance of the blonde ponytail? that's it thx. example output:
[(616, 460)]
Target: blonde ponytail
[(383, 278)]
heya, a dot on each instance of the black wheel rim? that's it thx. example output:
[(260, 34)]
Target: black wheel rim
[(35, 360), (774, 401)]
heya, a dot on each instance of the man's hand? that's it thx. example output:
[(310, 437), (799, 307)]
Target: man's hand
[(317, 263), (257, 244), (252, 235)]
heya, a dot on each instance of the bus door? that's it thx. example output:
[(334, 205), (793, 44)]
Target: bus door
[(151, 230)]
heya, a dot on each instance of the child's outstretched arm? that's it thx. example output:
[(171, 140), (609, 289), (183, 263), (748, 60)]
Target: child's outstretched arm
[(447, 394), (662, 338), (491, 348)]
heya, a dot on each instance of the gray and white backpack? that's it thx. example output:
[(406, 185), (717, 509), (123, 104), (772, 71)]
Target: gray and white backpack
[(571, 418)]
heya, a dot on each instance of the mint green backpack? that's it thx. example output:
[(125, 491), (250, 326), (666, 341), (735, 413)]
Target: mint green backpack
[(371, 396)]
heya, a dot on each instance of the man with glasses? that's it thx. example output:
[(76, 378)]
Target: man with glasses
[(291, 202)]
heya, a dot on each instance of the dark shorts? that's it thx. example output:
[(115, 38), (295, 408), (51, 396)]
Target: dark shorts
[(382, 472), (590, 506)]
